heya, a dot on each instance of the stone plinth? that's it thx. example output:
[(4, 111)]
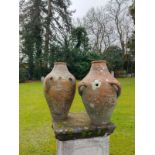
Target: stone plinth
[(89, 146), (77, 136)]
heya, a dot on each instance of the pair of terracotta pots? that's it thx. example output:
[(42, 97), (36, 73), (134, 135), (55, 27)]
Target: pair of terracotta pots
[(99, 91)]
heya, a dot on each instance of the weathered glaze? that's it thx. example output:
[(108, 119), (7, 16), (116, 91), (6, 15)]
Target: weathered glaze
[(99, 91), (59, 90)]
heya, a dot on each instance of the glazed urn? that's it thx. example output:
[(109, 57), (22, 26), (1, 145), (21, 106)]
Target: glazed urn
[(59, 90), (99, 91)]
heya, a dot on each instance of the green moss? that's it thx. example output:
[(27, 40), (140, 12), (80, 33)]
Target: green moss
[(83, 134), (59, 125), (70, 130)]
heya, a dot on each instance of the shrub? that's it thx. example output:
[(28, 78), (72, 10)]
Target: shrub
[(120, 73), (80, 69), (114, 57), (79, 62), (23, 74)]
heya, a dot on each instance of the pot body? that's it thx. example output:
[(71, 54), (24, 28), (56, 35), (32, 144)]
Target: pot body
[(59, 90), (99, 91)]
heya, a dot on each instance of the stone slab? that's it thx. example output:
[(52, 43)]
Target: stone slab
[(78, 126), (90, 146)]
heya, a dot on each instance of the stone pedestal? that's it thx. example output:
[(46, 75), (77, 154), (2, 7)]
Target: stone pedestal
[(89, 146), (77, 136)]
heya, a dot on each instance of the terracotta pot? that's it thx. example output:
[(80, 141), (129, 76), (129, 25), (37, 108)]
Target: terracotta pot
[(99, 91), (59, 90)]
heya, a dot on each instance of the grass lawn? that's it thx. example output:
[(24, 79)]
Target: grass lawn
[(37, 137)]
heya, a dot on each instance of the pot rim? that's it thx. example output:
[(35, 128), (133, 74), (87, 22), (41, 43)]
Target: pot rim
[(99, 61), (59, 62)]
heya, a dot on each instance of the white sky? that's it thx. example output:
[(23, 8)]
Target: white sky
[(82, 6)]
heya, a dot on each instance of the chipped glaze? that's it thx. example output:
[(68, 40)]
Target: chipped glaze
[(99, 91), (59, 90)]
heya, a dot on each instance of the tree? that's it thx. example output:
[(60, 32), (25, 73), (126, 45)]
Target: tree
[(37, 35), (44, 24), (132, 11), (80, 61), (57, 21), (79, 38), (28, 49), (80, 55), (31, 35), (114, 57), (109, 25), (131, 42), (130, 57), (121, 21), (99, 29)]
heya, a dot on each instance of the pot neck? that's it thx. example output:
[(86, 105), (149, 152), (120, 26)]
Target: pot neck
[(60, 66), (99, 65)]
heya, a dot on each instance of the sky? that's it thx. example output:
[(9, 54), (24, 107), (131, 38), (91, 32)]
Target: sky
[(82, 6)]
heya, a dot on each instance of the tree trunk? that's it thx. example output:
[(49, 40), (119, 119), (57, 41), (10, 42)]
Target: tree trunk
[(47, 35), (30, 66)]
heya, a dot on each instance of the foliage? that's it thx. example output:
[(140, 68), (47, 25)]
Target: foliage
[(129, 63), (75, 52), (120, 73), (114, 57), (37, 136), (31, 35), (79, 62), (57, 25), (23, 74), (79, 69), (132, 11), (108, 25), (48, 35), (80, 38), (131, 42), (42, 23)]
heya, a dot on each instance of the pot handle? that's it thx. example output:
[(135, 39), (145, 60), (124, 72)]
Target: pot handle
[(81, 88), (117, 87), (47, 84)]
